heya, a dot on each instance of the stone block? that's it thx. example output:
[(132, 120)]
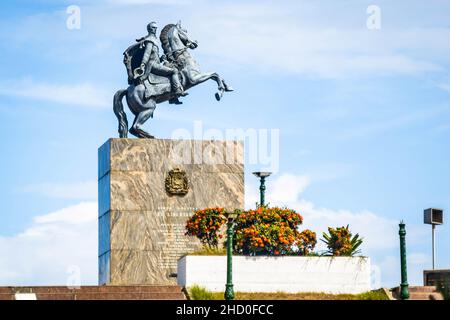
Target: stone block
[(141, 224)]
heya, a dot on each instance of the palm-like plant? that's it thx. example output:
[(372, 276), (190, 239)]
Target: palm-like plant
[(340, 242)]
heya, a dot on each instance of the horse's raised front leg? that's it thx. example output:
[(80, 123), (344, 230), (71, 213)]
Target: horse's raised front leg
[(198, 78), (227, 87)]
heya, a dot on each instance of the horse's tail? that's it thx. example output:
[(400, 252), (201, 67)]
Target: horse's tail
[(120, 113)]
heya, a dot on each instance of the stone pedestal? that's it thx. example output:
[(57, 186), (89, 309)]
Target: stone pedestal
[(144, 206)]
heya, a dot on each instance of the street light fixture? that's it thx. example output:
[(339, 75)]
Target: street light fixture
[(433, 216), (262, 187), (229, 292)]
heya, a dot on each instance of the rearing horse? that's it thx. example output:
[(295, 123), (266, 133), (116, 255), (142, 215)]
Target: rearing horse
[(175, 43)]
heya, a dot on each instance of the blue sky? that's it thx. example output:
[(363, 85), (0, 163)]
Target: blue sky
[(363, 117)]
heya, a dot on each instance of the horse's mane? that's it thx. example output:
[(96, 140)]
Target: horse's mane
[(164, 37)]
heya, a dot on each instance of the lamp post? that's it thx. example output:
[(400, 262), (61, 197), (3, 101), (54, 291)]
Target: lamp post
[(229, 292), (404, 292), (262, 187)]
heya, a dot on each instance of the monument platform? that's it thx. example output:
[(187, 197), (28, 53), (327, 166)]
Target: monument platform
[(93, 293), (147, 190)]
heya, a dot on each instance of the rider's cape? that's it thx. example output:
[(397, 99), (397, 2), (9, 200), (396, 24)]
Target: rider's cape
[(132, 59)]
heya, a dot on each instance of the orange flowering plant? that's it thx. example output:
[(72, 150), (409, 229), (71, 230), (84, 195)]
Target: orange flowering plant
[(205, 224), (306, 243), (340, 242), (264, 231), (271, 231)]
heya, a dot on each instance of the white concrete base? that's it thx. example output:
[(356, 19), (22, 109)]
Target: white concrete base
[(278, 274), (25, 296)]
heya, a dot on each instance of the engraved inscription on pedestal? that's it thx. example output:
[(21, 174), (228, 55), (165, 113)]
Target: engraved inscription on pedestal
[(148, 188)]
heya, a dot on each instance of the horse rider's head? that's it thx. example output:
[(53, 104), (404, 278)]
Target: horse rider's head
[(152, 27)]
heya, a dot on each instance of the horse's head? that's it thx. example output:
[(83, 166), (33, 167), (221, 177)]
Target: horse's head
[(175, 41), (182, 34)]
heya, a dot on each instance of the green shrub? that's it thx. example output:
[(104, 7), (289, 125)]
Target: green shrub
[(207, 251), (200, 293), (372, 295)]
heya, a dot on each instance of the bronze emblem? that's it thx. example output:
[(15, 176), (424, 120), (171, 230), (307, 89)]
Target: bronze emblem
[(177, 183)]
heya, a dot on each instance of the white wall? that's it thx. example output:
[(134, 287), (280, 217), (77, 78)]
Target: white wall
[(272, 274)]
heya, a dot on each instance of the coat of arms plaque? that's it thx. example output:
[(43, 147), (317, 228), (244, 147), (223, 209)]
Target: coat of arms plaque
[(177, 183)]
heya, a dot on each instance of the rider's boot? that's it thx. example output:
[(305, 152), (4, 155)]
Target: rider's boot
[(175, 101), (177, 88), (180, 92)]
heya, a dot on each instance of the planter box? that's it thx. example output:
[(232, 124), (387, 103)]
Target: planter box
[(272, 274)]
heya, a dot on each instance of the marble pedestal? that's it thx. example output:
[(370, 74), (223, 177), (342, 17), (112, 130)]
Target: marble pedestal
[(142, 224)]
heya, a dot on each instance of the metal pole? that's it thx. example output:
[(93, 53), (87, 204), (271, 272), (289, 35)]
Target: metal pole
[(229, 292), (433, 226), (404, 292), (262, 190)]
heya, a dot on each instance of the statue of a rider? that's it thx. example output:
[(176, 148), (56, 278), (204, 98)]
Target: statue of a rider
[(154, 79), (154, 64)]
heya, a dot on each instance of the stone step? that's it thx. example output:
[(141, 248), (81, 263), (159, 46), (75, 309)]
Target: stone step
[(112, 296), (102, 296), (5, 290), (429, 289), (143, 292), (95, 289), (425, 296), (6, 296), (422, 289), (419, 293)]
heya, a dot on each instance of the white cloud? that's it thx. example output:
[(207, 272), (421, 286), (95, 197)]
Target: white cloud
[(288, 186), (77, 214), (297, 37), (379, 233), (76, 190), (390, 268), (85, 94), (43, 253), (283, 40)]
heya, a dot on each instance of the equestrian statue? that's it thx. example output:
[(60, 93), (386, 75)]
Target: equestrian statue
[(154, 79)]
